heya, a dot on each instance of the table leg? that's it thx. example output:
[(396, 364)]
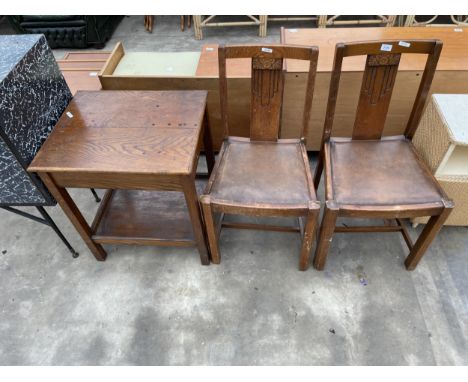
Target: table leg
[(73, 213), (191, 198), (208, 144)]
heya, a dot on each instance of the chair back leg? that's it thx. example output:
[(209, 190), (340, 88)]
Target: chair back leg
[(308, 238)]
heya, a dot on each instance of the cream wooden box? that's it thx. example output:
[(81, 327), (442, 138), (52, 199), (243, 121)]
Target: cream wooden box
[(442, 141)]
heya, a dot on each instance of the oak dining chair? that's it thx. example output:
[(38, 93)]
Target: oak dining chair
[(370, 176), (263, 175)]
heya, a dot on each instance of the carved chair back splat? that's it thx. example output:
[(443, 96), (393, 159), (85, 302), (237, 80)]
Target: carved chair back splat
[(267, 86)]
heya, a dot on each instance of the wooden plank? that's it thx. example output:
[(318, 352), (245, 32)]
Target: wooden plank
[(87, 55), (239, 91), (81, 80), (113, 60), (145, 217), (80, 69), (80, 65), (136, 132), (406, 85), (208, 64), (84, 179), (454, 55)]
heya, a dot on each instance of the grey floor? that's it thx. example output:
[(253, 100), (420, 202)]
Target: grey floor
[(159, 306)]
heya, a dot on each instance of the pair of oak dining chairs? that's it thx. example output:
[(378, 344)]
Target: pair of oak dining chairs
[(366, 176)]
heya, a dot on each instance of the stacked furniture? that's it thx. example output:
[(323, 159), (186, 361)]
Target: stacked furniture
[(442, 141), (80, 69), (33, 95), (64, 31)]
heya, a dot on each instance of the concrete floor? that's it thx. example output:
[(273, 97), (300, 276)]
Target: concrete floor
[(159, 306)]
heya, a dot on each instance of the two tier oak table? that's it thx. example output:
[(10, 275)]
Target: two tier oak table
[(137, 145)]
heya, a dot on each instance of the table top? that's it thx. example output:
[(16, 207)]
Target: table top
[(454, 52), (133, 132)]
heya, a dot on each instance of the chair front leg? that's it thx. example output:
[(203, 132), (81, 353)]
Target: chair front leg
[(427, 235), (330, 214), (308, 239), (211, 231)]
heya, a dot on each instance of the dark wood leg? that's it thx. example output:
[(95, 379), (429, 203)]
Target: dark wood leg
[(208, 144), (191, 198), (308, 238), (428, 234), (327, 228), (211, 229), (73, 213)]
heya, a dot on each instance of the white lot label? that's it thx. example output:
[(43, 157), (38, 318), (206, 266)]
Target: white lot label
[(267, 50), (293, 30), (92, 74), (458, 30), (405, 44), (69, 115), (209, 49), (386, 47)]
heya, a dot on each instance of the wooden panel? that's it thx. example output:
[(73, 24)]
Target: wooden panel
[(400, 106), (80, 69), (376, 93), (164, 64), (239, 92), (454, 53), (122, 150), (80, 65), (124, 181), (81, 80), (267, 93), (146, 109), (126, 132), (90, 55), (145, 217), (208, 64), (113, 60)]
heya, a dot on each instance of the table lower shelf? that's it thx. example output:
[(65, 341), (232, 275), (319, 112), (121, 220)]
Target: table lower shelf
[(144, 218)]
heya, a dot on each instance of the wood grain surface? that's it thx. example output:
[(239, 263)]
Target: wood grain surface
[(208, 64), (454, 54), (125, 132), (80, 69)]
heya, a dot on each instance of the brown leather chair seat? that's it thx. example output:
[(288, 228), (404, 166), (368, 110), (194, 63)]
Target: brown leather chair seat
[(380, 172), (262, 172)]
